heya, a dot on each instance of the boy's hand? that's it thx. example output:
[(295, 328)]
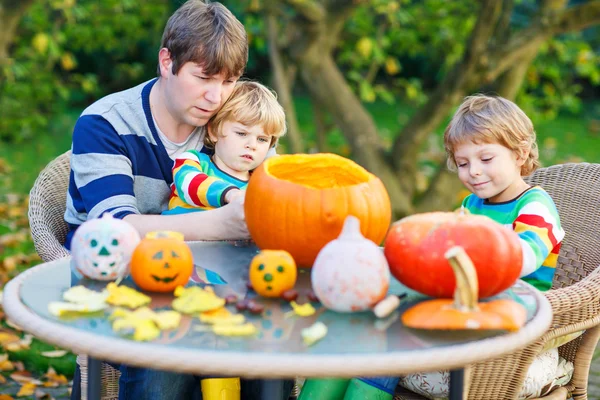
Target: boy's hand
[(232, 194)]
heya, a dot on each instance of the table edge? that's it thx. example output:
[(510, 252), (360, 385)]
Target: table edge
[(277, 365)]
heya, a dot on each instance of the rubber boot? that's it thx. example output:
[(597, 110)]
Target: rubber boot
[(220, 389), (324, 389), (363, 389)]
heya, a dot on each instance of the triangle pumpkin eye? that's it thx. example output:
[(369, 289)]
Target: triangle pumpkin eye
[(158, 256), (174, 255)]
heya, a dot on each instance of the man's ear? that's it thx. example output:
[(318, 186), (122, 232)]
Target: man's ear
[(164, 62)]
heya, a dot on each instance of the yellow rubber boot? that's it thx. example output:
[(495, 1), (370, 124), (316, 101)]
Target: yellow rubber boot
[(221, 389)]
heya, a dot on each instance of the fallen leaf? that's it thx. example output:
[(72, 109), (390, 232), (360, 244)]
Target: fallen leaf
[(314, 333), (41, 395), (22, 344), (27, 389), (125, 296), (6, 397), (13, 325), (5, 363), (52, 376), (303, 310), (196, 299), (6, 338), (24, 377), (54, 353)]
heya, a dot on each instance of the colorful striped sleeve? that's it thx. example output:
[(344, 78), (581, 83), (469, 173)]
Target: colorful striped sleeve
[(194, 186), (538, 227)]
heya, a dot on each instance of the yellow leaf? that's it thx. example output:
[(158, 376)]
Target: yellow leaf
[(195, 299), (54, 353), (125, 296), (222, 316), (6, 338), (364, 47), (392, 67), (303, 310), (234, 330), (68, 62), (314, 333), (5, 396), (27, 389), (2, 382), (5, 364), (40, 42), (52, 376)]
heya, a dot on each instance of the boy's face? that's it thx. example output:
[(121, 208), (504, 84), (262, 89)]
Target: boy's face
[(191, 96), (489, 170), (240, 148)]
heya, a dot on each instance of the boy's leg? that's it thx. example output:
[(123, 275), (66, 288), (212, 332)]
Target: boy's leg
[(252, 389), (147, 384), (379, 388), (324, 389)]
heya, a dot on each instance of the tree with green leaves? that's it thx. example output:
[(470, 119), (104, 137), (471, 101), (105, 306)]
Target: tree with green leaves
[(496, 54)]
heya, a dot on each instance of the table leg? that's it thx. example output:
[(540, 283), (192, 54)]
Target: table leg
[(272, 389), (457, 381), (94, 378)]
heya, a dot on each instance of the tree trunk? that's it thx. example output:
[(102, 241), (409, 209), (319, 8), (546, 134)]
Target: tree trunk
[(510, 82), (320, 128), (329, 88), (282, 86), (11, 12)]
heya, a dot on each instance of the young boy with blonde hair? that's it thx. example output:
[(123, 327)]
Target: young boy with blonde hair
[(241, 134), (491, 143)]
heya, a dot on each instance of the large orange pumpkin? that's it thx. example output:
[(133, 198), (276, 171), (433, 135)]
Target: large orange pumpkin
[(161, 264), (299, 202), (415, 248)]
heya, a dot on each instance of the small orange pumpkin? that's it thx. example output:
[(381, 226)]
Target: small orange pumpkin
[(299, 203), (272, 272), (161, 264), (464, 312)]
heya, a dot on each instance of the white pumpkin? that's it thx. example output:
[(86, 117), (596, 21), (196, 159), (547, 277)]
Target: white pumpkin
[(350, 272), (101, 248)]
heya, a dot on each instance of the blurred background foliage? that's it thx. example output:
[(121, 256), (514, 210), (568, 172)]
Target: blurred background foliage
[(397, 60)]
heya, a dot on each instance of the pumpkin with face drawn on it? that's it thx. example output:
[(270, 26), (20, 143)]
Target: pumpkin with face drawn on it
[(161, 264), (272, 272), (101, 248)]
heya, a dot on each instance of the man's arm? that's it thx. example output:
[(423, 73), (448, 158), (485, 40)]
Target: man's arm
[(225, 223)]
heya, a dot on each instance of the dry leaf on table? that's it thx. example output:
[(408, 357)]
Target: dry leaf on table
[(53, 353), (28, 389)]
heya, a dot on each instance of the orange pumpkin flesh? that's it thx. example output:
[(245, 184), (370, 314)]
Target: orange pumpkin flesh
[(464, 312), (415, 248), (299, 202), (161, 264)]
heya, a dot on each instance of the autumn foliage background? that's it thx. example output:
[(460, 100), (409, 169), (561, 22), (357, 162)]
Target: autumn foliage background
[(371, 80)]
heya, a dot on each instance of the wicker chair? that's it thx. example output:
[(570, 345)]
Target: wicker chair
[(575, 294), (47, 204)]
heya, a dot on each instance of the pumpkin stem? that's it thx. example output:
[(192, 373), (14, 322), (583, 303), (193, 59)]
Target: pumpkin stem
[(351, 229), (467, 287)]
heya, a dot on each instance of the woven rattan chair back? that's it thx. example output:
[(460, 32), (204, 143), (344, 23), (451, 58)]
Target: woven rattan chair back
[(575, 188), (47, 204)]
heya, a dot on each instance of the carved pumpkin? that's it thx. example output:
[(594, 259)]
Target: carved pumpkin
[(161, 264), (350, 273), (299, 202), (463, 312), (415, 248), (101, 248), (272, 272)]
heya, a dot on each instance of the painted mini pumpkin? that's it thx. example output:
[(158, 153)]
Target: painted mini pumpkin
[(161, 264), (272, 272), (102, 247), (317, 192), (351, 272)]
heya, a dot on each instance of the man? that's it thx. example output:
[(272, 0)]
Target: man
[(124, 146)]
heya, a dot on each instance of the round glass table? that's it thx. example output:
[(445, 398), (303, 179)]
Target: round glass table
[(357, 344)]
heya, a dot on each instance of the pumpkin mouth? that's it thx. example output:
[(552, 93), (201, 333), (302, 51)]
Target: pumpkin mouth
[(165, 279), (317, 171)]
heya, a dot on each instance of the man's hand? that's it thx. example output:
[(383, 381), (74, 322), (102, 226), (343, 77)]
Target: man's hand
[(235, 219)]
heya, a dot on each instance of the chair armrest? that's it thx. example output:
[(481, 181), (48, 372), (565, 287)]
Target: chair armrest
[(576, 296)]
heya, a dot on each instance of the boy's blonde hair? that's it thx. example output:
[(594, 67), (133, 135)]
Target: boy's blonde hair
[(209, 35), (492, 119), (250, 104)]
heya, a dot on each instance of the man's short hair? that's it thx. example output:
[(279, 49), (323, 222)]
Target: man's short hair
[(207, 34)]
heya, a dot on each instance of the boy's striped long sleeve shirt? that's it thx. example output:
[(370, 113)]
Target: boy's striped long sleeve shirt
[(198, 184), (534, 217)]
